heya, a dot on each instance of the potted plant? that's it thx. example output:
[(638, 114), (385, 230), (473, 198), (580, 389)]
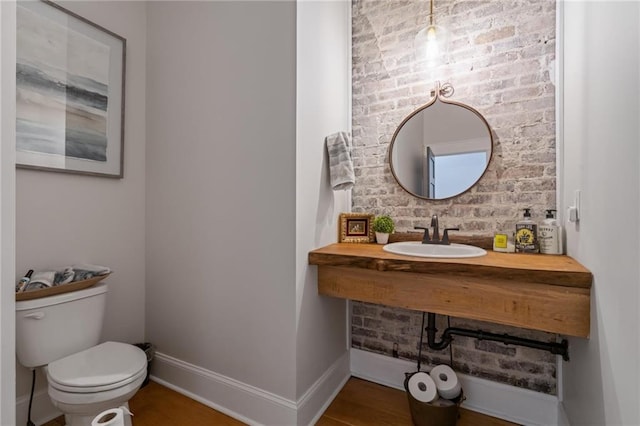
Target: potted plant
[(383, 226)]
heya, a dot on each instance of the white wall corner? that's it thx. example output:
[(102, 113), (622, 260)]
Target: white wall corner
[(506, 402), (558, 82), (247, 403), (601, 382), (323, 88), (314, 402), (241, 401), (7, 210), (563, 420), (42, 409)]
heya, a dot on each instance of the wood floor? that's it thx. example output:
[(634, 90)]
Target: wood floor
[(362, 403), (359, 403)]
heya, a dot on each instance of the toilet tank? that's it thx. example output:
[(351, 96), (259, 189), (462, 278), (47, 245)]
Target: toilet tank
[(53, 327)]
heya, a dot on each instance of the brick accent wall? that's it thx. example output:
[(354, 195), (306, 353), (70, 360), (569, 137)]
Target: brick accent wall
[(381, 329), (501, 59)]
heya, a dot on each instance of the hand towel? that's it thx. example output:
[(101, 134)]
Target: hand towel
[(64, 276), (86, 271), (340, 164), (42, 279), (96, 269)]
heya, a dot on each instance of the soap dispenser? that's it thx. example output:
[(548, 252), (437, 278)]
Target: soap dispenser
[(550, 234), (526, 234)]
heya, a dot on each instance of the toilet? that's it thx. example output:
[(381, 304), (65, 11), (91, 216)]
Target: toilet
[(61, 333)]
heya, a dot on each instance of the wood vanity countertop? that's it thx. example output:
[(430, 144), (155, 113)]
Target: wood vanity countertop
[(519, 267), (535, 291)]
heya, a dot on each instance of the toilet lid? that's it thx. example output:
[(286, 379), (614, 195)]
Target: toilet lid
[(108, 365)]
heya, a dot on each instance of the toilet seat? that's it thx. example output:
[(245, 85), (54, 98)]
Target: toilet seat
[(104, 367)]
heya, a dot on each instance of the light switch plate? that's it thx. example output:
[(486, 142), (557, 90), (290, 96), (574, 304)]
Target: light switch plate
[(573, 212)]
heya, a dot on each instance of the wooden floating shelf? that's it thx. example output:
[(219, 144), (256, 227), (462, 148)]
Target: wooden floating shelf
[(540, 292)]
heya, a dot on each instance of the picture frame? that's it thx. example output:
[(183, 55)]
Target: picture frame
[(70, 92), (355, 228)]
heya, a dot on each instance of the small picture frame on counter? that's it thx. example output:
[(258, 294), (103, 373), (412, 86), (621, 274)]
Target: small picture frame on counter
[(355, 228)]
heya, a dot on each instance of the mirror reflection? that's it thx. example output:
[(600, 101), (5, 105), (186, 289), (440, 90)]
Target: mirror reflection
[(441, 150)]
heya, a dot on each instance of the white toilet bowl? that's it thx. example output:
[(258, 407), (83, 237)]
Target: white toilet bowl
[(105, 376), (61, 333)]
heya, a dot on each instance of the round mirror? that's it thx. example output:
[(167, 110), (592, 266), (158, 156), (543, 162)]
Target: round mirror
[(440, 150)]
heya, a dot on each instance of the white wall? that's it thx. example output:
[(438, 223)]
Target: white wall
[(411, 155), (7, 211), (221, 231), (64, 219), (323, 108), (222, 150), (601, 158)]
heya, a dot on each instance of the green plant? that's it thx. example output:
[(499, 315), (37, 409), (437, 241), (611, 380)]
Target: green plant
[(383, 224)]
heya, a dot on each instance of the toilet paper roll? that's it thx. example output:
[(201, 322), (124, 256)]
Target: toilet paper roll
[(422, 387), (446, 381), (111, 417)]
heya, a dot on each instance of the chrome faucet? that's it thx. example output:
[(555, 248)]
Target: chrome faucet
[(435, 239)]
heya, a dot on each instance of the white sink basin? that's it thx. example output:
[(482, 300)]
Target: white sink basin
[(416, 248)]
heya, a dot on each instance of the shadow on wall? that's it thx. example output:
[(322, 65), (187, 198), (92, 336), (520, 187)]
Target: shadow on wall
[(326, 214), (586, 371)]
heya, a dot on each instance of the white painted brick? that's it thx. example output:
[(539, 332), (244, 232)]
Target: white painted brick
[(500, 54)]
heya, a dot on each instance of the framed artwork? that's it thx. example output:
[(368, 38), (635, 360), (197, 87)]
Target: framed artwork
[(355, 228), (70, 85)]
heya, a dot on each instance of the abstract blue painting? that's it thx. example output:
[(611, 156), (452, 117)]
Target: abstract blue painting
[(69, 92)]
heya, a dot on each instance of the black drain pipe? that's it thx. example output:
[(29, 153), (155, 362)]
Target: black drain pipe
[(561, 348)]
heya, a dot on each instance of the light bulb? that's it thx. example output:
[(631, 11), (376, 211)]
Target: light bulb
[(431, 45), (431, 33)]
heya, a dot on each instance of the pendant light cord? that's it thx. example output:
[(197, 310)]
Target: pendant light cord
[(431, 13)]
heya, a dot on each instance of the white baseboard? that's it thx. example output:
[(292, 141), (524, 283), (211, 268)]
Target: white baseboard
[(247, 403), (314, 402), (42, 409), (255, 406), (239, 400), (506, 402), (563, 420)]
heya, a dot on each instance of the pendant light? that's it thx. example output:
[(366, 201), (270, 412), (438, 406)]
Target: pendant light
[(432, 42)]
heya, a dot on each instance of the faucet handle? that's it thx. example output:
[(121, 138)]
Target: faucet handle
[(445, 235), (425, 237)]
